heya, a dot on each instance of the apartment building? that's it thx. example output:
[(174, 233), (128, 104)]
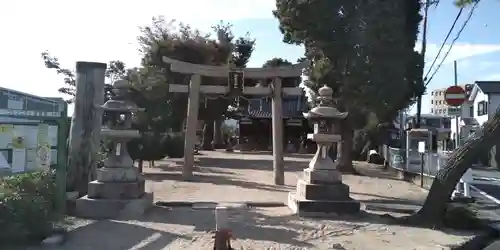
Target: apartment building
[(439, 106)]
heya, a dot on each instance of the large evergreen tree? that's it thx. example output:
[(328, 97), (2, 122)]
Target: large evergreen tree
[(363, 49)]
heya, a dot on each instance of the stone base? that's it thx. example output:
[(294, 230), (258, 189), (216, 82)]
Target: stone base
[(116, 190), (318, 208), (322, 176), (108, 208), (337, 192), (106, 174)]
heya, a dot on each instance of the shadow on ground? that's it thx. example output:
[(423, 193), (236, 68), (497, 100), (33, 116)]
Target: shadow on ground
[(217, 180), (124, 235), (246, 224)]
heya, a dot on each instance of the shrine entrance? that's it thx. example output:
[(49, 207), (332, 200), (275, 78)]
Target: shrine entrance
[(234, 89)]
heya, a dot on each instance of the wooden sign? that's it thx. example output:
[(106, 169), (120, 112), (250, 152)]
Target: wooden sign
[(236, 80)]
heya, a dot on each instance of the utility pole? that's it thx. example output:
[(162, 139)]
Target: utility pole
[(457, 134), (427, 4)]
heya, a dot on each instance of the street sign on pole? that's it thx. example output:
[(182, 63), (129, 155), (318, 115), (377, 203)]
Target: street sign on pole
[(454, 111), (455, 96)]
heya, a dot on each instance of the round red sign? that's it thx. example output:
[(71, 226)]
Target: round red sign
[(455, 96)]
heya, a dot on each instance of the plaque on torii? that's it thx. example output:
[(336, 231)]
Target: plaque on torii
[(236, 82), (235, 88)]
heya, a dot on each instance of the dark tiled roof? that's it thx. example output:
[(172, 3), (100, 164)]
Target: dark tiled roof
[(489, 86)]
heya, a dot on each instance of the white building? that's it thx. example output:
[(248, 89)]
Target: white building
[(483, 101)]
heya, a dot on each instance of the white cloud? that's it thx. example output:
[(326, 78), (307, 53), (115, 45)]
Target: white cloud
[(459, 51), (493, 77)]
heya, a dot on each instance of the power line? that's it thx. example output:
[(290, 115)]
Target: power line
[(444, 42), (453, 42)]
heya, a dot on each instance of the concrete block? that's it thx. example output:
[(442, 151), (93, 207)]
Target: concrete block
[(116, 190), (112, 208), (322, 208), (117, 174), (320, 176), (336, 192)]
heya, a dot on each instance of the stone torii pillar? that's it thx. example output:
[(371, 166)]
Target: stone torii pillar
[(195, 87)]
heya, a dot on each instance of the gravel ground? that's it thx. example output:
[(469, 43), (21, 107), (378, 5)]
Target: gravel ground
[(235, 178)]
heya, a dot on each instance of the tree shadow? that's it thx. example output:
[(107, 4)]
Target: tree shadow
[(216, 180), (252, 164), (197, 169), (376, 171), (107, 234), (245, 223)]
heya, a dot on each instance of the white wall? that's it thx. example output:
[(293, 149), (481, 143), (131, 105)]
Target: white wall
[(480, 97)]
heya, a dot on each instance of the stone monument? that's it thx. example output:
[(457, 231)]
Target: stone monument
[(119, 190), (320, 191)]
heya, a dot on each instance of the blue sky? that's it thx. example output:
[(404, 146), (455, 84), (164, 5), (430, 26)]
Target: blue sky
[(105, 30)]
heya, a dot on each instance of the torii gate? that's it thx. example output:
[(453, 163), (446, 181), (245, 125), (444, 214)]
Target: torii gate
[(236, 87)]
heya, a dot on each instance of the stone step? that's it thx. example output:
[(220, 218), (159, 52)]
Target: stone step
[(116, 190), (109, 208), (336, 192), (314, 208)]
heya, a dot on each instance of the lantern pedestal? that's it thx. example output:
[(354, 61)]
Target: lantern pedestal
[(321, 192)]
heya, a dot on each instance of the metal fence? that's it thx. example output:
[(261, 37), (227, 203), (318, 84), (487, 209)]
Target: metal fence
[(397, 158)]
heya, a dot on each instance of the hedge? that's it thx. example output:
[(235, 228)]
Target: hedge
[(27, 207)]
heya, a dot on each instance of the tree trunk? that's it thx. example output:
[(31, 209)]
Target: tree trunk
[(208, 135), (461, 159), (345, 155), (218, 139), (140, 165)]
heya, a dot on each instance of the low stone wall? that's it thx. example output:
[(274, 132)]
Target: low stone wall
[(411, 177)]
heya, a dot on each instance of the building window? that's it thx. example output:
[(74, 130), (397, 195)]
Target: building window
[(432, 93), (482, 108), (432, 110), (471, 111), (432, 101)]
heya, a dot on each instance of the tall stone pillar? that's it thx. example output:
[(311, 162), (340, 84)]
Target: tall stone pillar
[(321, 191), (85, 124), (119, 190), (191, 125), (277, 108)]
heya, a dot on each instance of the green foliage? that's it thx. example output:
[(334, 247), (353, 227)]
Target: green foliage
[(280, 62), (362, 49), (27, 207), (116, 70), (181, 42), (464, 3), (174, 145)]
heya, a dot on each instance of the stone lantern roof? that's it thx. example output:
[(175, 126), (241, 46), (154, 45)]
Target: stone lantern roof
[(118, 103), (325, 109)]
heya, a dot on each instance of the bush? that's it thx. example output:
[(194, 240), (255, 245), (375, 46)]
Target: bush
[(174, 145), (27, 207)]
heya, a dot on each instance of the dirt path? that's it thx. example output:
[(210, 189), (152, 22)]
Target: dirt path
[(226, 177)]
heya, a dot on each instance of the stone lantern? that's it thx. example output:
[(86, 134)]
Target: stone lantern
[(119, 190), (321, 190)]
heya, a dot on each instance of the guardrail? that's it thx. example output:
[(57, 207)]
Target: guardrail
[(396, 158)]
